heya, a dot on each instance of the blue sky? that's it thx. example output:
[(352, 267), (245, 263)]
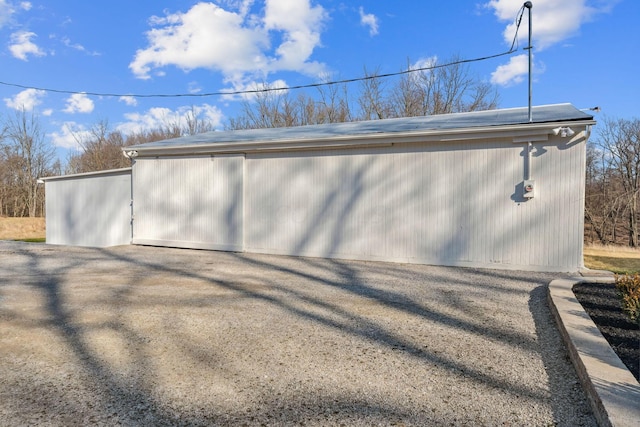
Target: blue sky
[(585, 53)]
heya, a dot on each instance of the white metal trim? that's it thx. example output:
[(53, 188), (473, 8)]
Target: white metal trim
[(530, 130), (108, 172)]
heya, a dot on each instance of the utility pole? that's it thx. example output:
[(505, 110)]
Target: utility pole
[(528, 5)]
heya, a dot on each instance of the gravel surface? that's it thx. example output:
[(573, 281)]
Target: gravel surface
[(155, 336)]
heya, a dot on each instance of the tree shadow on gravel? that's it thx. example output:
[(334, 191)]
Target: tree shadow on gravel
[(548, 342), (131, 401), (342, 276), (557, 362), (120, 401)]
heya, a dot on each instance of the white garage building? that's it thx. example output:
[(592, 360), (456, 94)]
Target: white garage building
[(90, 209), (481, 189)]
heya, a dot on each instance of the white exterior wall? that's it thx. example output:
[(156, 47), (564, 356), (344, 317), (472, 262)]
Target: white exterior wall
[(192, 202), (448, 204), (444, 197), (89, 209)]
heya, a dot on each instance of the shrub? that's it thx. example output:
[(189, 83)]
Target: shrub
[(628, 286)]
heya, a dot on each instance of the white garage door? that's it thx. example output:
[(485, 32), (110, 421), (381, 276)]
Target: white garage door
[(191, 202)]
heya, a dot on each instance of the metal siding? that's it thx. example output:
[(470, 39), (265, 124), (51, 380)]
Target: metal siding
[(193, 202), (89, 210), (447, 203)]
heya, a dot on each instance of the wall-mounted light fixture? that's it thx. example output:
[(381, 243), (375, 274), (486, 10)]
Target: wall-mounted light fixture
[(563, 131)]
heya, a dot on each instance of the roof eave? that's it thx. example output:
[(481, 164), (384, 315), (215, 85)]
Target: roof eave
[(96, 174), (519, 132)]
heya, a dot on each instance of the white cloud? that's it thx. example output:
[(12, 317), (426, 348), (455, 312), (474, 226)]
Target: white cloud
[(9, 8), (236, 43), (512, 72), (553, 22), (139, 122), (159, 117), (21, 45), (79, 103), (210, 113), (129, 100), (369, 20), (6, 11), (67, 42), (206, 36), (194, 87), (27, 100), (77, 46), (301, 25), (248, 89), (69, 135), (424, 63)]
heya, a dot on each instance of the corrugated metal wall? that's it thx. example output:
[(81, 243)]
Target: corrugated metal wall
[(89, 209), (446, 203), (453, 203), (193, 202), (449, 204)]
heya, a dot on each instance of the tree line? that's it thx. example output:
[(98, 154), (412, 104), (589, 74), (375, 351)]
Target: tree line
[(613, 183), (440, 90), (612, 163)]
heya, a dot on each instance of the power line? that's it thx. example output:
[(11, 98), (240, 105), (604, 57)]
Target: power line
[(511, 50), (258, 90)]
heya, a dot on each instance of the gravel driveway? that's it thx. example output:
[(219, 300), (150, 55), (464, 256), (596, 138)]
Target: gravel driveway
[(155, 336)]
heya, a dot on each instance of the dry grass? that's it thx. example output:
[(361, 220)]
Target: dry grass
[(22, 229), (619, 259)]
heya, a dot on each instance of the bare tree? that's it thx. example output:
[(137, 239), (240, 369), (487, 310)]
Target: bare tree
[(619, 141), (101, 149), (410, 95), (190, 124), (263, 111), (442, 88), (307, 110), (604, 205), (25, 156), (373, 98), (276, 108), (333, 104), (483, 96)]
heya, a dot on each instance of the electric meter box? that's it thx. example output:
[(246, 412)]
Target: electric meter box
[(529, 189)]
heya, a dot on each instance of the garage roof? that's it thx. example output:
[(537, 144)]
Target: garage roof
[(443, 123)]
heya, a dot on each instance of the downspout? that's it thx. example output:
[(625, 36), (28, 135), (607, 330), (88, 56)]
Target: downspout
[(527, 166), (131, 155)]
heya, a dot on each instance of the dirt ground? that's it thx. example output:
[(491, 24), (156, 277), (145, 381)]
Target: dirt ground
[(155, 336)]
